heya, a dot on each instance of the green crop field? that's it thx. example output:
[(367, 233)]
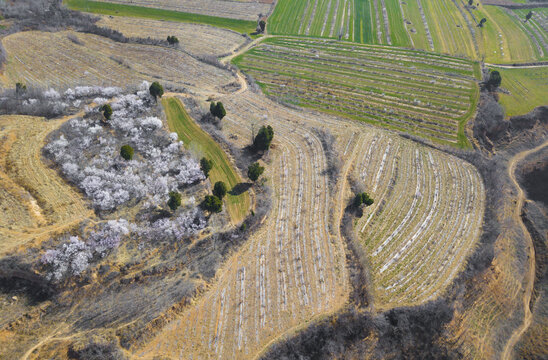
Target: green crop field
[(448, 27), (528, 88), (195, 139), (362, 21), (96, 7), (425, 94)]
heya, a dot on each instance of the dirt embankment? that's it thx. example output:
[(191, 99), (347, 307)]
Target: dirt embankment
[(532, 174)]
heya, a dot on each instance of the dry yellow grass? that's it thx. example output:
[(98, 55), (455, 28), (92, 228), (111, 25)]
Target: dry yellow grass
[(211, 40), (37, 201), (51, 59)]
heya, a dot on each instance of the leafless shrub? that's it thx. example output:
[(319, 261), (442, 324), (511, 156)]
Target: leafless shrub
[(214, 61), (120, 61), (74, 39), (3, 55), (333, 158)]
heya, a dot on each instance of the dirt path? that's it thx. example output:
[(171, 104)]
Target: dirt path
[(530, 276), (252, 44)]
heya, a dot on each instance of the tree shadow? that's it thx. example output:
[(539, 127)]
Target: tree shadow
[(240, 188)]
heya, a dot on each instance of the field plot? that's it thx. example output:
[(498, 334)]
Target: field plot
[(34, 200), (362, 21), (425, 220), (425, 94), (527, 86), (107, 8), (51, 59), (196, 140), (289, 272), (502, 38), (451, 28), (536, 28), (242, 10), (194, 38)]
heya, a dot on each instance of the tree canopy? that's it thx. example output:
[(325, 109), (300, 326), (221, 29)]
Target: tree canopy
[(156, 89), (362, 198), (495, 79), (264, 138), (126, 152), (217, 109), (174, 200), (220, 189), (172, 40), (206, 165), (212, 204), (254, 171), (107, 111)]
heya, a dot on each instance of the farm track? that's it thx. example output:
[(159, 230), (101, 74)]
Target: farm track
[(530, 274), (53, 204)]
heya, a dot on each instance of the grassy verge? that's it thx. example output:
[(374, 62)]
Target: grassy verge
[(104, 8), (195, 139)]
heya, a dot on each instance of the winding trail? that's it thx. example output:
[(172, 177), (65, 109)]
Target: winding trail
[(530, 276)]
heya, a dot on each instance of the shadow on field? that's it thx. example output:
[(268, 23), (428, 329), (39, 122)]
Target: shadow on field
[(240, 188)]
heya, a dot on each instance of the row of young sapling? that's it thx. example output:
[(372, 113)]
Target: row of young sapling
[(277, 293), (402, 236)]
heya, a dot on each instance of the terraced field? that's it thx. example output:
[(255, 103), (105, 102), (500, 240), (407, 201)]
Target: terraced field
[(212, 40), (289, 272), (243, 10), (424, 222), (527, 89), (51, 59), (293, 270), (425, 94), (35, 202), (201, 144)]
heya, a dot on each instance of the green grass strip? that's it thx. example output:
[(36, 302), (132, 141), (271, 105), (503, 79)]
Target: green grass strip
[(198, 141), (105, 8)]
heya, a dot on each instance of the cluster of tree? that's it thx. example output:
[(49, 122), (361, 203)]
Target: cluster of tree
[(263, 139), (362, 198), (528, 16), (156, 90), (217, 109), (172, 40), (20, 88), (94, 155), (214, 203), (482, 22)]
